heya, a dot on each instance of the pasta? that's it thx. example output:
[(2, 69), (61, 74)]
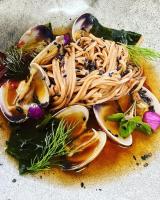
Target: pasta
[(90, 71)]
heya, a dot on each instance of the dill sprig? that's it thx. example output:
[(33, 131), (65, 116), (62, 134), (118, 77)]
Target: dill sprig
[(55, 147), (17, 64), (138, 54)]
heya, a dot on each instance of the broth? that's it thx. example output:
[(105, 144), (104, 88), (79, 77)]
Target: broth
[(114, 161)]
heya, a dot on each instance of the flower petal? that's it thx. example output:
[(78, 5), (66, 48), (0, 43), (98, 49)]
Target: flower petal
[(152, 118)]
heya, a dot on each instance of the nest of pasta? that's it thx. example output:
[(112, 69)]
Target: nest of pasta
[(90, 71)]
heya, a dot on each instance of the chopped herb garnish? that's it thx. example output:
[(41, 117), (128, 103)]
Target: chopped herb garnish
[(116, 117), (128, 123)]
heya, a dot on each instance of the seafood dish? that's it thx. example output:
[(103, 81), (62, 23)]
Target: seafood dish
[(64, 96)]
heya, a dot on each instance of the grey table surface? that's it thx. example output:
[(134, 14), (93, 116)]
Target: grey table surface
[(136, 15)]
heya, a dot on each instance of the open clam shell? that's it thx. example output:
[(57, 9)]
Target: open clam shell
[(41, 83), (90, 146), (5, 105), (36, 38), (50, 51), (15, 101), (153, 101), (85, 145), (101, 111), (77, 116), (84, 22)]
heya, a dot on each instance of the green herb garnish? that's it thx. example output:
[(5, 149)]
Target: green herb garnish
[(127, 126), (55, 146), (17, 64), (138, 54), (116, 117), (42, 145)]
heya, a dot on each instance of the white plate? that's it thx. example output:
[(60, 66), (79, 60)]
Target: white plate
[(137, 182)]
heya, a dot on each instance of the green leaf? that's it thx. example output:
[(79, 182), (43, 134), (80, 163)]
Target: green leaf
[(115, 117), (126, 128), (144, 127)]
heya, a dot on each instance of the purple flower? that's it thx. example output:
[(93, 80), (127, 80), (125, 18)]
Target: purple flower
[(152, 118), (67, 39), (35, 111)]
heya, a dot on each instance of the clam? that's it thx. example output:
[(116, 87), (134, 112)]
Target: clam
[(17, 97), (85, 149), (84, 22), (77, 116), (144, 99), (50, 51), (89, 23), (36, 38), (85, 145), (149, 98), (110, 128)]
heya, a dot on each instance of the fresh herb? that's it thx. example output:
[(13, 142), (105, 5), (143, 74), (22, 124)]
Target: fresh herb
[(144, 127), (40, 146), (17, 64), (128, 123), (138, 54), (116, 117), (55, 146), (126, 128)]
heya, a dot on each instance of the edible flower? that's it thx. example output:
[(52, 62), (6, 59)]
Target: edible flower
[(35, 111), (152, 118), (67, 39)]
